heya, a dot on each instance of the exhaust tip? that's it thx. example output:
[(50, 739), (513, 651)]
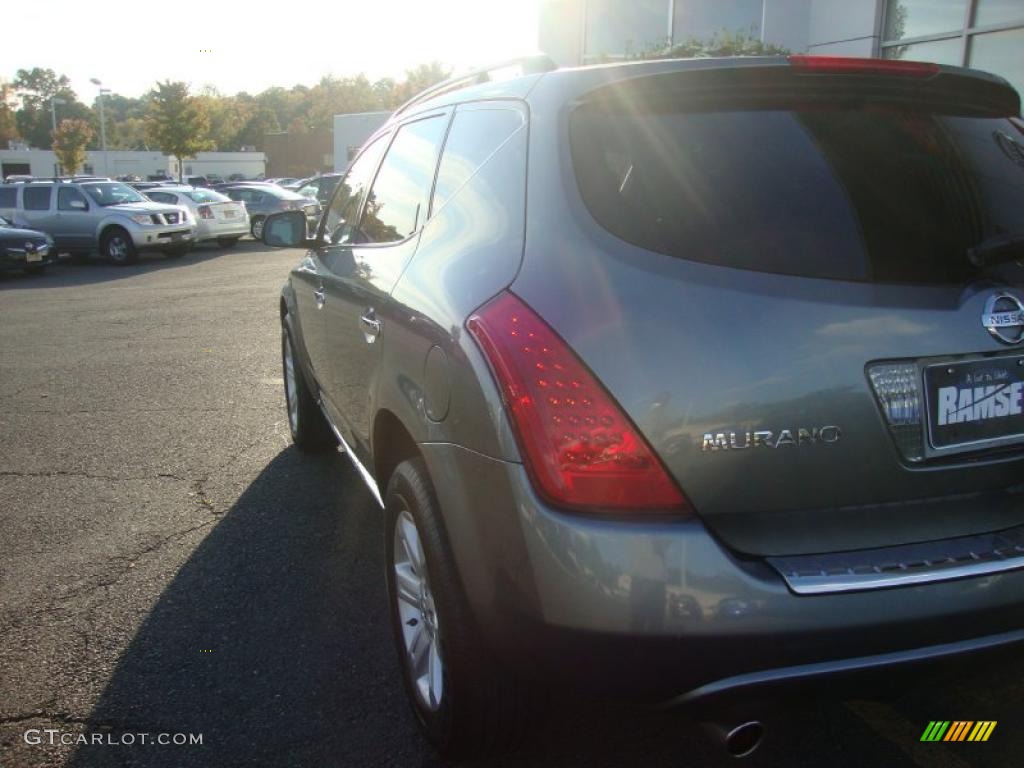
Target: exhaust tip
[(744, 739)]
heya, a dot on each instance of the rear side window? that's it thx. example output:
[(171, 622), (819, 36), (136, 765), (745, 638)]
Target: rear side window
[(36, 198), (397, 204), (474, 136), (8, 197), (860, 193)]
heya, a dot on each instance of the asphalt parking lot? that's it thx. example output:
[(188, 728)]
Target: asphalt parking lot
[(170, 564)]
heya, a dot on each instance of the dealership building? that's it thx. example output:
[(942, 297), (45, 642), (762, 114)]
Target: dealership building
[(20, 159), (986, 34)]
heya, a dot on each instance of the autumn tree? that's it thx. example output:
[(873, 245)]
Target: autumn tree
[(177, 123), (69, 143), (35, 88), (8, 122)]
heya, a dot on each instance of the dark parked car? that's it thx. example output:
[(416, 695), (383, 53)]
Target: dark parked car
[(24, 249), (261, 200), (319, 188), (679, 379)]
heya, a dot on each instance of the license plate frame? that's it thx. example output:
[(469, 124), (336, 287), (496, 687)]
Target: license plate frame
[(984, 426)]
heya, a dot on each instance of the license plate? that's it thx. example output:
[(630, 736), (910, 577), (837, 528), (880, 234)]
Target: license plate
[(230, 214), (975, 403), (175, 236), (33, 256)]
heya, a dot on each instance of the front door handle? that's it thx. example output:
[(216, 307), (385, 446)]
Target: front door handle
[(370, 325), (320, 297)]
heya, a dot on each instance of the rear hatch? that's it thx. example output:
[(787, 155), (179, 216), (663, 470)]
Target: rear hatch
[(227, 212), (805, 289)]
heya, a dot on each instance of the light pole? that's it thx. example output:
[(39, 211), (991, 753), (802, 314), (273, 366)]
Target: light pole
[(103, 126), (54, 101)]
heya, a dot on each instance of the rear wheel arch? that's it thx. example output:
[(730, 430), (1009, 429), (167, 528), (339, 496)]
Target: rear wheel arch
[(392, 444)]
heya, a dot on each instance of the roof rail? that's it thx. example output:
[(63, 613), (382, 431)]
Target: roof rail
[(527, 65), (66, 179)]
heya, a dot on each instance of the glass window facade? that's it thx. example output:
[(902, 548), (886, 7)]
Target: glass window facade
[(614, 28), (983, 34)]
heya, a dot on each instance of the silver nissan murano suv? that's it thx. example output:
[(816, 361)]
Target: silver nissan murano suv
[(676, 379)]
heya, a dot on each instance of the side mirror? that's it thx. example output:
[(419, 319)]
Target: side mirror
[(286, 230), (78, 205)]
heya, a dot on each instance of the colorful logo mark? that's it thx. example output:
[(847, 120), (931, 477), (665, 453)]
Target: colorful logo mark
[(959, 730)]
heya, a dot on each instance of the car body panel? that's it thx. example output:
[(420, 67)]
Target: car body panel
[(690, 602)]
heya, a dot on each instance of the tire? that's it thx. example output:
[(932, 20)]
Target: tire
[(117, 246), (256, 227), (309, 428), (227, 242), (473, 707)]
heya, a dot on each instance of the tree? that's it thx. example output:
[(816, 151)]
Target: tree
[(35, 88), (8, 123), (69, 143), (723, 43), (418, 80), (177, 123)]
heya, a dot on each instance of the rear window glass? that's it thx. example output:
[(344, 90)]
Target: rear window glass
[(865, 194), (206, 196), (36, 198)]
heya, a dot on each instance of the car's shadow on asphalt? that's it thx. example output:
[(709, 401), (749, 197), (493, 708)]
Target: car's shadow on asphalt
[(67, 272), (272, 642)]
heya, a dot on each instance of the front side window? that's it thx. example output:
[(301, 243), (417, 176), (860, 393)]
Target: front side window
[(37, 198), (397, 204), (340, 221), (67, 195)]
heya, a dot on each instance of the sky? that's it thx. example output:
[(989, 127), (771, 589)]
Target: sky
[(237, 46)]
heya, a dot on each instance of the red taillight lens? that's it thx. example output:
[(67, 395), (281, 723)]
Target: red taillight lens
[(580, 449), (205, 212), (843, 65)]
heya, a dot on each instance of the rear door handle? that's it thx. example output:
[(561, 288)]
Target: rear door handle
[(320, 296), (370, 325)]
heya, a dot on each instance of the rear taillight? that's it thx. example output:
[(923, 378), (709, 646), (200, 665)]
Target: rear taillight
[(898, 390), (581, 450), (843, 65), (205, 212)]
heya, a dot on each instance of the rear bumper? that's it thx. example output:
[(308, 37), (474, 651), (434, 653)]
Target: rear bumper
[(211, 230), (664, 610)]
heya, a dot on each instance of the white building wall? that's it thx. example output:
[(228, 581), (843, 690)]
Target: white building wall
[(120, 163), (350, 133)]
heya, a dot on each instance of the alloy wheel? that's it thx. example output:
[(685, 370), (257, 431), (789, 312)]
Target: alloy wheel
[(290, 389), (418, 614)]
